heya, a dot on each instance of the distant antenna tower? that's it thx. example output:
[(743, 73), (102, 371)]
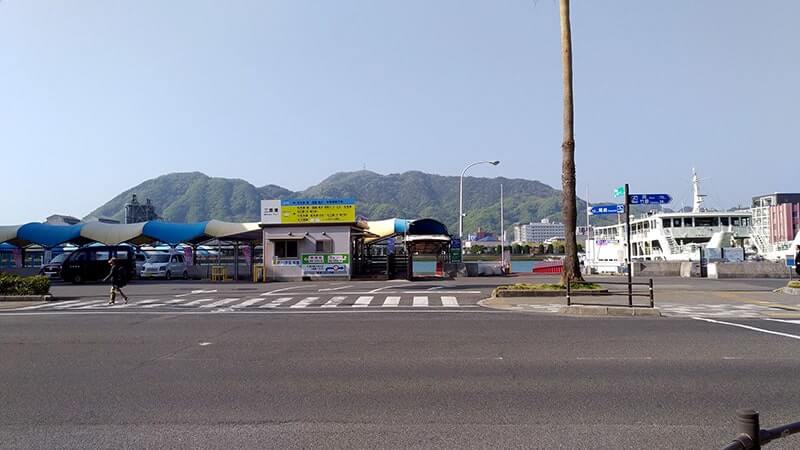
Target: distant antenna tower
[(699, 198)]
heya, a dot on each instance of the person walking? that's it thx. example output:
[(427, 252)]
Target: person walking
[(118, 280)]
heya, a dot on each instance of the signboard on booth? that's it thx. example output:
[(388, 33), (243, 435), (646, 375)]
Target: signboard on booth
[(331, 210), (325, 264), (455, 250)]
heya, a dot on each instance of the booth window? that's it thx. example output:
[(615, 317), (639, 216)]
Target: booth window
[(324, 246), (286, 249)]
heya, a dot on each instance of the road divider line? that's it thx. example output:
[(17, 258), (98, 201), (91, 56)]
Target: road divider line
[(794, 322), (748, 327), (80, 303), (276, 291), (334, 302), (391, 302)]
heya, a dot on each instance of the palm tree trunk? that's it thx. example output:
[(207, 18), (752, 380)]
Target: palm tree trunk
[(569, 211)]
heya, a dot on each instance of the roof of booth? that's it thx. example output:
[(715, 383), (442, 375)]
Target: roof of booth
[(136, 233)]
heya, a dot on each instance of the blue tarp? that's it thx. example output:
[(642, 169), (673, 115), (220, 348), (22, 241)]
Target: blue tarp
[(49, 235), (175, 233)]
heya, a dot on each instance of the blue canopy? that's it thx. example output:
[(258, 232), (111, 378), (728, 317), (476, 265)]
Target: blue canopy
[(49, 235), (175, 233)]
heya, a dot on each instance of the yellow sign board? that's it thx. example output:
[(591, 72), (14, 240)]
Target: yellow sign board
[(318, 211)]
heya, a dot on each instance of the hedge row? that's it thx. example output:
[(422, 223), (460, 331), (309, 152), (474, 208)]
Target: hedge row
[(16, 285)]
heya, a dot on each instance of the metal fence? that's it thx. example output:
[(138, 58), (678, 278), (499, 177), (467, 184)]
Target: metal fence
[(751, 436), (630, 292)]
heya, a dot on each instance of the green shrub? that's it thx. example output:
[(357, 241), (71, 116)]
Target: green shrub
[(794, 284), (16, 285)]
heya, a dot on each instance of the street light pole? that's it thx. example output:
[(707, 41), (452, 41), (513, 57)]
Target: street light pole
[(461, 195)]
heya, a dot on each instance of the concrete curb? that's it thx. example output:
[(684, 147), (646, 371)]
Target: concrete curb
[(26, 298), (620, 311), (510, 293), (789, 290)]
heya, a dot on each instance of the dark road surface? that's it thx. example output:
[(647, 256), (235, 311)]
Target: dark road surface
[(461, 379)]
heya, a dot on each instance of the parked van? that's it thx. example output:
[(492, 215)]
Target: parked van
[(91, 263), (165, 265)]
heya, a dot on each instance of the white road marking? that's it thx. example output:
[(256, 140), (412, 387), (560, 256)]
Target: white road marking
[(747, 327), (795, 322), (94, 304), (266, 294), (203, 344), (277, 302), (247, 303), (391, 302), (198, 291), (197, 302), (379, 289), (285, 289), (614, 358), (304, 302), (165, 303), (420, 301), (83, 303), (334, 302), (450, 302), (362, 302), (336, 288), (434, 288), (44, 305), (224, 301)]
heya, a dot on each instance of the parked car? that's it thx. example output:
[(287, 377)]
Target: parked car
[(139, 259), (91, 263), (53, 268), (165, 265)]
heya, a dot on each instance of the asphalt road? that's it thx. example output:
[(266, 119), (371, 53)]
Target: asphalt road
[(467, 378)]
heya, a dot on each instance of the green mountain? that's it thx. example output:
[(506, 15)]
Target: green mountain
[(191, 197)]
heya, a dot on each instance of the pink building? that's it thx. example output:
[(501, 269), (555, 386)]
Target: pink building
[(784, 221)]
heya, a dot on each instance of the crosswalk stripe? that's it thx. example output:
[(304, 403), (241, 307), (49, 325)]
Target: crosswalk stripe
[(197, 302), (362, 302), (94, 304), (164, 303), (420, 301), (45, 305), (391, 302), (277, 302), (84, 303), (249, 302), (224, 301), (304, 302), (449, 302), (334, 302)]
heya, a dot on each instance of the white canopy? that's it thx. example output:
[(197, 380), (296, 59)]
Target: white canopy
[(112, 234), (220, 229), (8, 232)]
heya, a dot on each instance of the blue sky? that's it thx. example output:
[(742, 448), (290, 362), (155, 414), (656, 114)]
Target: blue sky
[(98, 96)]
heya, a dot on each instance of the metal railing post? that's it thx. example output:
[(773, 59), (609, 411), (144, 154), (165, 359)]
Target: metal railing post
[(568, 291), (747, 424), (652, 299)]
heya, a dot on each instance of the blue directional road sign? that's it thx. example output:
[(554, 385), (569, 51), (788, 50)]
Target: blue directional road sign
[(645, 199), (606, 209)]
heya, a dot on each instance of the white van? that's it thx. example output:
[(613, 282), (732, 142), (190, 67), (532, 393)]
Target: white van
[(164, 265)]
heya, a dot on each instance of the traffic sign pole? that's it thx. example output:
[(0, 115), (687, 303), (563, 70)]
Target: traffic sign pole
[(628, 242)]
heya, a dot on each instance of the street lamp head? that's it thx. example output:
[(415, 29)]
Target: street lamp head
[(494, 163)]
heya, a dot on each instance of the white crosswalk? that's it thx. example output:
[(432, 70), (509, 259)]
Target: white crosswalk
[(297, 302)]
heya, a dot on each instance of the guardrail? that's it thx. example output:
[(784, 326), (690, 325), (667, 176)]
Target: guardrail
[(630, 291), (751, 436)]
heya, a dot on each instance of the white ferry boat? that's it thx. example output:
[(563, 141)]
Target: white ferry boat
[(669, 236)]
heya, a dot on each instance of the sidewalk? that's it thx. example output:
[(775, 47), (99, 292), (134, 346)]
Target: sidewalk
[(671, 303)]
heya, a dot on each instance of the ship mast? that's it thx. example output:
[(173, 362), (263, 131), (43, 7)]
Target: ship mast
[(698, 197)]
